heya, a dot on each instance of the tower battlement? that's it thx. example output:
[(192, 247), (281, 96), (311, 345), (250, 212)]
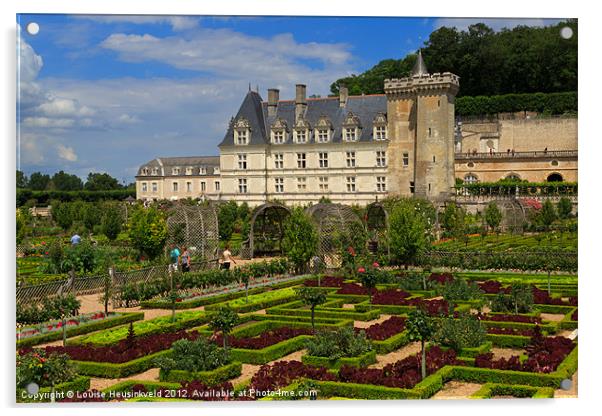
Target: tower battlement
[(419, 83)]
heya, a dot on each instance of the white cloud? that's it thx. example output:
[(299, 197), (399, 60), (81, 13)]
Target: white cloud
[(496, 24), (178, 23), (128, 119), (46, 122), (66, 153), (64, 107)]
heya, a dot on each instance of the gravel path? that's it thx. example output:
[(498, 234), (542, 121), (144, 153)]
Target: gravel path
[(456, 390)]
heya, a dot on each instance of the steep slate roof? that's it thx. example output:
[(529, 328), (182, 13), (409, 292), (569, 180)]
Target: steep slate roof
[(166, 163), (254, 109)]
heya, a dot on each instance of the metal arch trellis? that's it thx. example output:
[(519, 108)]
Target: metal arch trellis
[(513, 215), (266, 229), (196, 227), (377, 224), (333, 220)]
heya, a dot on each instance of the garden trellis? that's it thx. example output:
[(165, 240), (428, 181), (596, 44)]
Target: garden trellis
[(377, 224), (513, 215), (265, 230), (335, 223), (196, 227)]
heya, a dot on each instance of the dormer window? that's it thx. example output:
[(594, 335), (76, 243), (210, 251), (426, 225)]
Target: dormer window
[(203, 170), (279, 131), (351, 128), (301, 130), (155, 171), (380, 127), (301, 136), (144, 171), (242, 132), (175, 171), (189, 170), (323, 130), (216, 170)]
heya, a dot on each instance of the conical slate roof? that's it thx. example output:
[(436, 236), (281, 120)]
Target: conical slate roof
[(419, 66)]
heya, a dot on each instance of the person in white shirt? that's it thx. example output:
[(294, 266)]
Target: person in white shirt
[(227, 258)]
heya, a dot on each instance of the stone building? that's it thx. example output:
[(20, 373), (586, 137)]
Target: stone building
[(357, 149), (179, 178)]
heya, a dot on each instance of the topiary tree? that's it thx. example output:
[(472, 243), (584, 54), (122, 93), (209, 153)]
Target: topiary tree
[(368, 277), (547, 215), (224, 320), (148, 230), (312, 297), (564, 208), (111, 222), (299, 240), (493, 216), (408, 233), (421, 328)]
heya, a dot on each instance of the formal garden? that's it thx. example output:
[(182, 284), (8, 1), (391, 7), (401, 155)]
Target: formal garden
[(397, 300)]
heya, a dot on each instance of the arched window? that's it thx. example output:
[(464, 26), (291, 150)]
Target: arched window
[(555, 177), (470, 178), (513, 177)]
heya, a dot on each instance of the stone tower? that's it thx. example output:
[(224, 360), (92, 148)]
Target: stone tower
[(420, 113)]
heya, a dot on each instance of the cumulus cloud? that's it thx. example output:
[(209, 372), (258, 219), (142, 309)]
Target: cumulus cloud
[(46, 122), (496, 24), (66, 153)]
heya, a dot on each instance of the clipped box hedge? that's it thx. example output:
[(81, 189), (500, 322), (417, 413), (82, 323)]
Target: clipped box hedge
[(392, 343), (79, 383), (508, 341), (327, 313), (255, 305), (359, 361), (320, 322), (123, 318), (219, 375), (492, 389), (119, 370), (270, 353), (472, 352)]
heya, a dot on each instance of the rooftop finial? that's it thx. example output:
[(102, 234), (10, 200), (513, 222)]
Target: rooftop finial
[(249, 87), (419, 66)]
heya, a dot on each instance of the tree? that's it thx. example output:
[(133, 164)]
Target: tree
[(91, 216), (226, 218), (407, 233), (311, 297), (224, 320), (111, 221), (38, 181), (421, 328), (493, 216), (148, 230), (453, 219), (62, 214), (107, 292), (62, 181), (564, 208), (547, 215), (369, 278), (101, 182), (300, 239), (244, 276), (22, 181), (21, 227)]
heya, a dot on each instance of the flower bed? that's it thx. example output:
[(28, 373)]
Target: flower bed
[(491, 287), (265, 339), (326, 281), (57, 325), (282, 373), (352, 289), (390, 297), (574, 316), (511, 331), (542, 297), (401, 374), (441, 278), (385, 329), (500, 317)]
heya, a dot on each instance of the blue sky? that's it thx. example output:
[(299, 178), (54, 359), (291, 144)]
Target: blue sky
[(108, 93)]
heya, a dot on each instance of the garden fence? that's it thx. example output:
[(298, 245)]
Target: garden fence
[(94, 284)]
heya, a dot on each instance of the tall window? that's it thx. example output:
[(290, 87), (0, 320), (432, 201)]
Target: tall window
[(278, 160), (406, 159), (301, 184), (242, 136), (350, 156), (242, 162), (380, 132), (381, 184), (381, 158), (154, 186), (323, 183), (301, 161), (323, 135), (174, 186), (217, 186), (279, 185), (350, 134), (278, 136), (203, 186), (323, 159), (412, 187), (301, 136), (350, 183), (242, 186), (188, 186), (144, 187)]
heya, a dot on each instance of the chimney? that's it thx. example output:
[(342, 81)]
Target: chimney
[(273, 97), (343, 95), (300, 102)]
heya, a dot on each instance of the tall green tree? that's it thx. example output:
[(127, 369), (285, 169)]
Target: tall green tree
[(62, 181), (453, 220), (564, 208), (547, 215), (227, 215), (39, 181), (111, 222), (22, 181), (101, 182), (408, 233), (147, 228), (493, 216), (300, 239)]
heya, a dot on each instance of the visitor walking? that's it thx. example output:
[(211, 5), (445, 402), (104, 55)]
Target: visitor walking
[(185, 260), (227, 258), (174, 256), (75, 239)]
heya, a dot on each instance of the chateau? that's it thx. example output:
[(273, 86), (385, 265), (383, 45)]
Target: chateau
[(357, 149)]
